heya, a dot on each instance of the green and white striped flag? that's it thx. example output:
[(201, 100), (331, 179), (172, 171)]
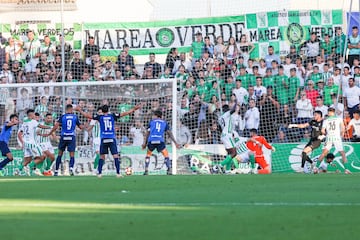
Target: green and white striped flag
[(284, 28)]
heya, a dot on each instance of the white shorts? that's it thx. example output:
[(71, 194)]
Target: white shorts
[(46, 146), (32, 150), (337, 143), (244, 157), (228, 141), (96, 144)]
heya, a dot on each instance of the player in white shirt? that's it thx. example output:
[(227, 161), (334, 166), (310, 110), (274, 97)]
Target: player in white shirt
[(45, 143), (227, 126), (334, 129), (94, 127), (355, 124), (27, 137)]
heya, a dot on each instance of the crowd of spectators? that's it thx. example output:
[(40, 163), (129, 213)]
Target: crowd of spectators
[(269, 93)]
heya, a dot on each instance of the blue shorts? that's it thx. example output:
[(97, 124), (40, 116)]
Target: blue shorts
[(69, 142), (158, 146), (108, 143), (4, 148)]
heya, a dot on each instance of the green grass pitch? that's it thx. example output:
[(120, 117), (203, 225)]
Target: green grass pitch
[(277, 206)]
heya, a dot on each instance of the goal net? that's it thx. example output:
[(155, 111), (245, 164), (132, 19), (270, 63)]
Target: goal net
[(121, 96)]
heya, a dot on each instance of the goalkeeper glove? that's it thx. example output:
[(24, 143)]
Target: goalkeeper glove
[(292, 126)]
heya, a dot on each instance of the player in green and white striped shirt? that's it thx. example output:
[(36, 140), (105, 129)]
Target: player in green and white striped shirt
[(94, 127), (334, 129), (27, 137), (45, 143)]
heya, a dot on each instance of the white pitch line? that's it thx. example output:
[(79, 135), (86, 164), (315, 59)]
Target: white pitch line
[(122, 205)]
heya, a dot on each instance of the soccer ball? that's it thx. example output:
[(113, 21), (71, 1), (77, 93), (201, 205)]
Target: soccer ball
[(128, 171)]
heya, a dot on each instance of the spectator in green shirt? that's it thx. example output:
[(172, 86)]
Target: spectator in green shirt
[(196, 48), (330, 89), (327, 48), (340, 43)]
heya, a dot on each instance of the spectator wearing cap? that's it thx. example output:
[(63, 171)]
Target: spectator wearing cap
[(330, 89), (196, 48), (338, 106), (90, 49), (351, 97), (320, 106), (353, 45), (293, 54), (311, 92)]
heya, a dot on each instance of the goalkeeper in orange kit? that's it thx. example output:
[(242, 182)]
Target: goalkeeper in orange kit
[(256, 147)]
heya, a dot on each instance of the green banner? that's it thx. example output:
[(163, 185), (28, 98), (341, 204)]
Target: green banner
[(279, 29), (287, 158)]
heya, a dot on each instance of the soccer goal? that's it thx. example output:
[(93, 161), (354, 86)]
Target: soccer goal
[(121, 96)]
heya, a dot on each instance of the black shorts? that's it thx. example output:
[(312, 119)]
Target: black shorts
[(314, 143)]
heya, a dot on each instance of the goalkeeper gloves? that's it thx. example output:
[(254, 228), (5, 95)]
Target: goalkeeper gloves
[(292, 126)]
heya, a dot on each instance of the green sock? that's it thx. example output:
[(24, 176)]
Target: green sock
[(96, 161), (225, 161), (40, 166), (32, 165), (236, 163), (48, 164), (252, 160)]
